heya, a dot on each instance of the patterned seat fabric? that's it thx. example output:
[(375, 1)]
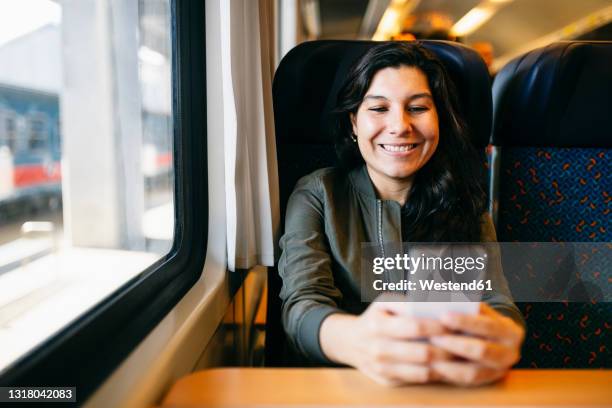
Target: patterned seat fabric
[(559, 195), (555, 195), (553, 128)]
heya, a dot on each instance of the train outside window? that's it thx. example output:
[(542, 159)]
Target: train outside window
[(86, 158)]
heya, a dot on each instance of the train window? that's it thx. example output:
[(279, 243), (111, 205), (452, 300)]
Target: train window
[(7, 130), (89, 198), (38, 134), (11, 132), (87, 228)]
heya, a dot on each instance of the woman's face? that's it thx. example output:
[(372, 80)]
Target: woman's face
[(397, 124)]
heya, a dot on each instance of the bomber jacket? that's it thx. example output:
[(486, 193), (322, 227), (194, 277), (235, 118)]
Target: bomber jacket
[(329, 215)]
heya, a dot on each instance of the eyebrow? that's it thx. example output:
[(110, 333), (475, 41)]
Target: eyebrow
[(415, 96)]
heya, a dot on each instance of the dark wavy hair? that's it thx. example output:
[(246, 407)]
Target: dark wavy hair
[(447, 198)]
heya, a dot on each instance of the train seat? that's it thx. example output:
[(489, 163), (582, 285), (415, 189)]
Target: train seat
[(305, 89), (552, 133)]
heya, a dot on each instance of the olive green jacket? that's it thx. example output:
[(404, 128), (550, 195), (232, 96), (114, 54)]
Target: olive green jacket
[(329, 216)]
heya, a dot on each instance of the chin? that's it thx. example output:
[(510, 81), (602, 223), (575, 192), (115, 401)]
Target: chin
[(400, 174)]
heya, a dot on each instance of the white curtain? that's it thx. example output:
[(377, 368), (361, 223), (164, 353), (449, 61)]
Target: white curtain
[(251, 176)]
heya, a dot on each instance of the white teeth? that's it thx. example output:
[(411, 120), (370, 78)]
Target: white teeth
[(398, 148)]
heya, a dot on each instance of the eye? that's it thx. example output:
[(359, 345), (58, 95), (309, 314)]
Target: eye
[(417, 109), (378, 109)]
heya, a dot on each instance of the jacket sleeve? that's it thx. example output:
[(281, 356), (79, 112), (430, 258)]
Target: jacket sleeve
[(501, 299), (308, 293)]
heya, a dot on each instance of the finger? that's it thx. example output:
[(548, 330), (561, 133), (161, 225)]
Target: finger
[(492, 327), (412, 352), (381, 379), (396, 374), (465, 373), (394, 305), (517, 329), (406, 328), (485, 352), (487, 310)]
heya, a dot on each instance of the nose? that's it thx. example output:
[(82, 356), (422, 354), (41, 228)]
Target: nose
[(400, 123)]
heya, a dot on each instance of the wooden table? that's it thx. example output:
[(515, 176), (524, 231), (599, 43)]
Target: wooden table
[(250, 387)]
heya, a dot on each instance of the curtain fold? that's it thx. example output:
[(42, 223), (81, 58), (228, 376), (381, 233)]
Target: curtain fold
[(251, 176)]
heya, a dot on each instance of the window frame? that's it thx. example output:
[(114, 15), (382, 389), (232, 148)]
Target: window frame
[(84, 353)]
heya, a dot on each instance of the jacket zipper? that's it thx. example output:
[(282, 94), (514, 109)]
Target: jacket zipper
[(380, 235)]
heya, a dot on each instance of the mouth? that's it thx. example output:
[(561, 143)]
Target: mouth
[(399, 148)]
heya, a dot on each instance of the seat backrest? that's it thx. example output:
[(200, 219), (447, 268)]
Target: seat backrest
[(552, 133), (305, 89)]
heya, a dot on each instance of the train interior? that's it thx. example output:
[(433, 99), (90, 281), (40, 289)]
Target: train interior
[(148, 149)]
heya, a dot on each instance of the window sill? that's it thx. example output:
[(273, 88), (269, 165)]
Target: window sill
[(41, 297)]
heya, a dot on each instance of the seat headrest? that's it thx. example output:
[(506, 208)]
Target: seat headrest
[(309, 77), (556, 96)]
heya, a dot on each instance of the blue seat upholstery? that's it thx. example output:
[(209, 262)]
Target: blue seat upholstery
[(552, 132), (305, 90)]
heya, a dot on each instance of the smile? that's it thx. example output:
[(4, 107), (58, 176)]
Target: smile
[(399, 148)]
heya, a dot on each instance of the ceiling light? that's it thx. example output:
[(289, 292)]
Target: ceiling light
[(472, 20), (390, 23)]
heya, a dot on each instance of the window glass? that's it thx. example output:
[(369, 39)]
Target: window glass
[(86, 157), (38, 132)]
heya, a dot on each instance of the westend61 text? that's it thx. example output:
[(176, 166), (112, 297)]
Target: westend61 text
[(431, 285)]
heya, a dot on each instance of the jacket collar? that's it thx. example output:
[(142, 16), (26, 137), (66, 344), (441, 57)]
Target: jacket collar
[(360, 179)]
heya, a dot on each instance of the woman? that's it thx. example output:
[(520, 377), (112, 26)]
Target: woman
[(408, 174)]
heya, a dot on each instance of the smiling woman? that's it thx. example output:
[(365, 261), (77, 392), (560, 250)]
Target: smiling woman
[(408, 173)]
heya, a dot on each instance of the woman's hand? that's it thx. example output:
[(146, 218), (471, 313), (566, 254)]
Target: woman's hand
[(384, 344), (489, 343)]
